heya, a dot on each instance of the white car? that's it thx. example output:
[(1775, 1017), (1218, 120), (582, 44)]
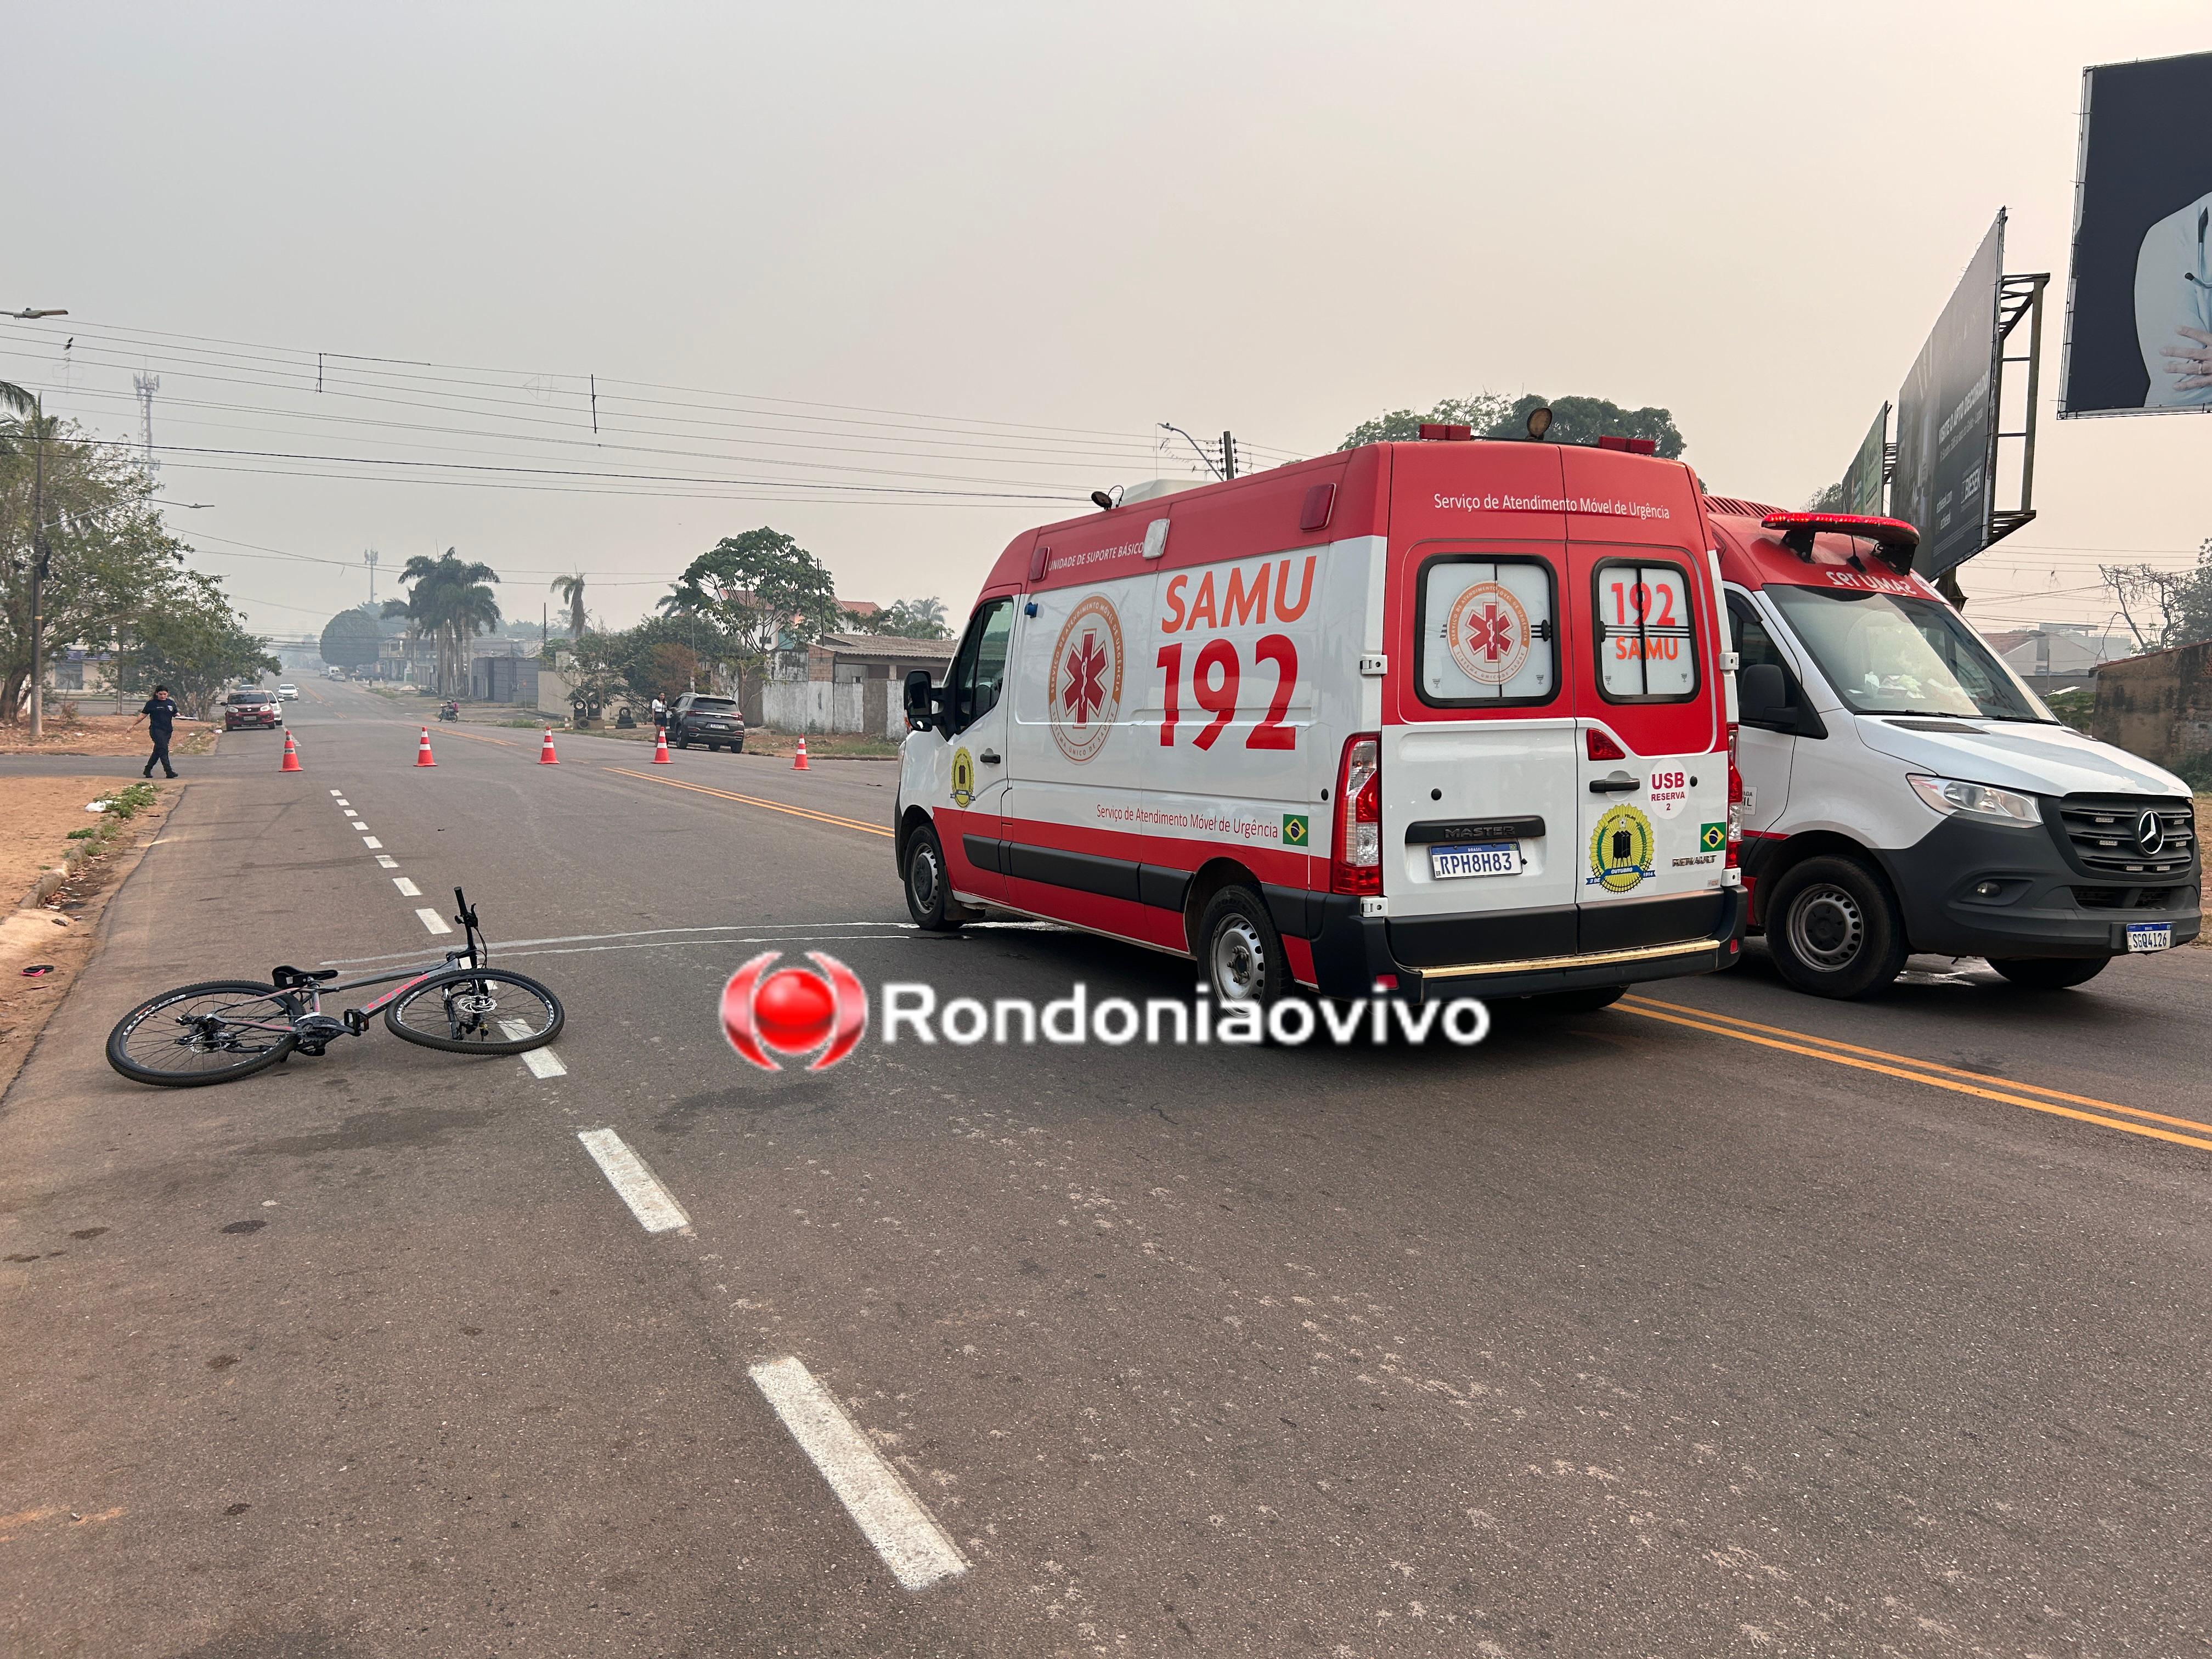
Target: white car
[(288, 693)]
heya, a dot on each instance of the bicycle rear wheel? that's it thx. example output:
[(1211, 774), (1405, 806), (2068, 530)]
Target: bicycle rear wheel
[(212, 1032), (476, 1011)]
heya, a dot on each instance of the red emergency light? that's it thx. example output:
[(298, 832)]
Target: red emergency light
[(1896, 540), (1631, 446), (1433, 431)]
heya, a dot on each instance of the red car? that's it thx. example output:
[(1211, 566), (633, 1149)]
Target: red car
[(249, 708)]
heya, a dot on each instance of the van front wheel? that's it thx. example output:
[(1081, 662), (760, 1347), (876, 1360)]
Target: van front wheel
[(1241, 950), (928, 890), (1834, 929)]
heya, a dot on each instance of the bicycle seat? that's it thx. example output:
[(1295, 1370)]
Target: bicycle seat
[(285, 979)]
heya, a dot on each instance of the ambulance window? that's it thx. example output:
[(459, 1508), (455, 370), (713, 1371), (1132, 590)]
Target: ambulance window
[(1753, 644), (979, 672), (1486, 632), (1646, 646)]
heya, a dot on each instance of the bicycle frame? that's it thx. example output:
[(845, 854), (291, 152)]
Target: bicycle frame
[(475, 953)]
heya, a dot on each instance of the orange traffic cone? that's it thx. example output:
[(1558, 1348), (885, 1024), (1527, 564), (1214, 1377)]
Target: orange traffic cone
[(422, 755), (660, 746), (291, 753), (545, 755), (799, 761)]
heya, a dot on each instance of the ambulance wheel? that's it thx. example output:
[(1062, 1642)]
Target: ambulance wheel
[(1834, 929), (1240, 950), (2050, 973), (928, 889)]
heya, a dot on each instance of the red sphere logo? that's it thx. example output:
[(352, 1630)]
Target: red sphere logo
[(793, 1011)]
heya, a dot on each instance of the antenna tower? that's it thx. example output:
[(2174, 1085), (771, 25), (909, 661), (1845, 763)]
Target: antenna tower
[(146, 387)]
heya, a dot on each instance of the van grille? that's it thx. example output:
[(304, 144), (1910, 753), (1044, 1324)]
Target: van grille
[(2129, 898), (2105, 833)]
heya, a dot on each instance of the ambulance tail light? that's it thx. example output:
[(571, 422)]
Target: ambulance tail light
[(1735, 807), (1355, 863), (1600, 745)]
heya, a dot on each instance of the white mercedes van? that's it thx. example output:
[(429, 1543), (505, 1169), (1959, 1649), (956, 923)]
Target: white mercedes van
[(1904, 792)]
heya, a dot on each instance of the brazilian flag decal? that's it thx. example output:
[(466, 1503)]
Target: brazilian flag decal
[(1712, 837), (1294, 829)]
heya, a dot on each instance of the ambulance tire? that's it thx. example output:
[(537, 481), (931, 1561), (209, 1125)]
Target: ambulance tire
[(1834, 930), (2050, 973), (928, 888), (1239, 951)]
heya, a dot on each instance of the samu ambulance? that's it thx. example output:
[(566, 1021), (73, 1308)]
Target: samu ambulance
[(1419, 718), (1904, 791)]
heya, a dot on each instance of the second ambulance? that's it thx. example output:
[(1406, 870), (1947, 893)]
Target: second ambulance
[(1419, 718), (1904, 791)]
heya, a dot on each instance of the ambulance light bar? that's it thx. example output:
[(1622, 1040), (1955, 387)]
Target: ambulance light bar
[(1897, 540)]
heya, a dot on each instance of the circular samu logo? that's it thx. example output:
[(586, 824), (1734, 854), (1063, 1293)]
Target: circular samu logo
[(1621, 850), (1488, 632), (963, 777), (1083, 688)]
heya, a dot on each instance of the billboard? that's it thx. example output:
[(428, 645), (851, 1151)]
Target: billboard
[(2139, 305), (1946, 419), (1863, 479)]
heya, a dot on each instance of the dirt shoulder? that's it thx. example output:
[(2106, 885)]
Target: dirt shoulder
[(105, 734), (58, 929)]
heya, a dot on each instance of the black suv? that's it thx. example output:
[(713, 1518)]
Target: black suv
[(714, 721)]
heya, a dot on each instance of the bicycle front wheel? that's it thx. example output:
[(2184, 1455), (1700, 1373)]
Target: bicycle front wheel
[(212, 1032), (475, 1011)]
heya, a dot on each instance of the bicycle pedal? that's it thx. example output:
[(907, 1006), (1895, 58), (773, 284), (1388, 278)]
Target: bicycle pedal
[(355, 1021)]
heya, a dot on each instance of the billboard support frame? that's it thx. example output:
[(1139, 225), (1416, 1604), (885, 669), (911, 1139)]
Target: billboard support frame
[(2017, 297)]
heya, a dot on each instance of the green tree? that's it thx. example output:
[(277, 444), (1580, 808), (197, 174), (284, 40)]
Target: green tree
[(911, 619), (353, 638), (190, 640), (1574, 420), (2164, 608), (449, 602), (111, 557), (762, 592)]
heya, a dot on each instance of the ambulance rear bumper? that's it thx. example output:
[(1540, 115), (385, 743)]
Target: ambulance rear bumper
[(1352, 953)]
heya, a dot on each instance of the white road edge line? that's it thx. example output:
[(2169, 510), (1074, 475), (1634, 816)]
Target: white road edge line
[(913, 1545), (542, 1062), (433, 921), (654, 1206), (388, 863), (407, 887), (371, 842)]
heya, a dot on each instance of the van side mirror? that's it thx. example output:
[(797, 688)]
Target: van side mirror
[(920, 700), (1762, 696)]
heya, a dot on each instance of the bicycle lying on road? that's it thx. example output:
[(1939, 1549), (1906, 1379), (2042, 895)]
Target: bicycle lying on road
[(226, 1028)]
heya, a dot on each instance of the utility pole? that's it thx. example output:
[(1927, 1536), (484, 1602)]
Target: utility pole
[(39, 556), (1228, 456)]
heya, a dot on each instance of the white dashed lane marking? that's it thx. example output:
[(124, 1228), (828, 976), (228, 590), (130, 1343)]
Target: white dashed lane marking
[(433, 921), (407, 887), (371, 842), (334, 793), (652, 1204), (351, 813), (913, 1545), (542, 1062), (388, 863)]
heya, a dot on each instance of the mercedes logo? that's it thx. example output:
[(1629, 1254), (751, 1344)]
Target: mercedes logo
[(2150, 833)]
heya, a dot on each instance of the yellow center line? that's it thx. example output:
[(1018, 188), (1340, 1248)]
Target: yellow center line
[(1928, 1065), (1628, 1007), (755, 800)]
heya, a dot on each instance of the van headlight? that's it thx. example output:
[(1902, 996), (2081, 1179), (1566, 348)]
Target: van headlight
[(1949, 795)]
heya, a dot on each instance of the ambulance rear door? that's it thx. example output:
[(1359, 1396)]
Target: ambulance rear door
[(1647, 688)]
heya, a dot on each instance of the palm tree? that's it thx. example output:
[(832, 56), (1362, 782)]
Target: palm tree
[(571, 590), (450, 602), (15, 400)]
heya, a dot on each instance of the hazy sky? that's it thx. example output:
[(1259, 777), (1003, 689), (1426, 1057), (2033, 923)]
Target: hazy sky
[(1006, 240)]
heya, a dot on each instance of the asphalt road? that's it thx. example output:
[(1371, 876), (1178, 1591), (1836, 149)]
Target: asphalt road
[(1722, 1322)]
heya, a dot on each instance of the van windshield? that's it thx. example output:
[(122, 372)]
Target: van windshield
[(1894, 653)]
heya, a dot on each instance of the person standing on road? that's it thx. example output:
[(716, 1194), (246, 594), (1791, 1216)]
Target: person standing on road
[(160, 714), (659, 711)]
